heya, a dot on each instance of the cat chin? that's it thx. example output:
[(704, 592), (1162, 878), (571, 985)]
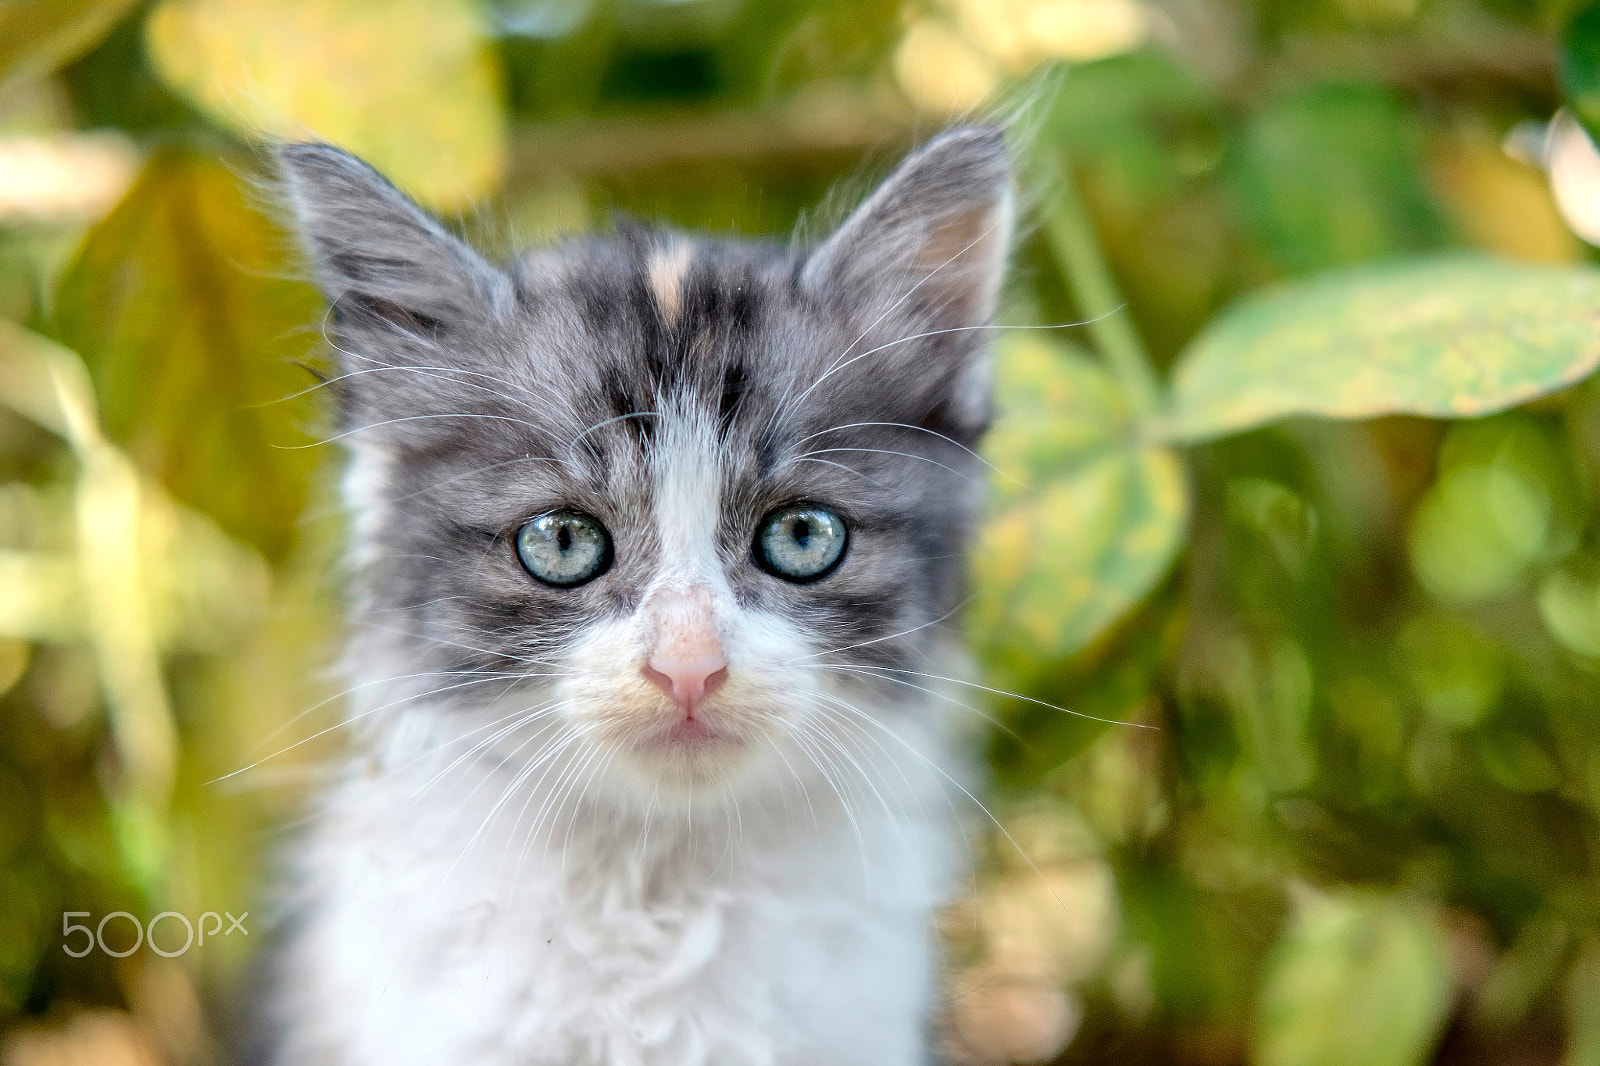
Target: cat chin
[(683, 779), (690, 755), (685, 776), (677, 767)]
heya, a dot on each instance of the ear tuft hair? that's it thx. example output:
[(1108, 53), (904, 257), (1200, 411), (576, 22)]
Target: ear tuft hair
[(938, 228), (379, 258)]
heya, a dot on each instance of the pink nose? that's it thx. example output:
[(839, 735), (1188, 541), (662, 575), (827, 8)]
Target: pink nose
[(686, 661), (689, 680)]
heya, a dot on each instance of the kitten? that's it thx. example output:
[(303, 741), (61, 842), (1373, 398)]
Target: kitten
[(657, 544)]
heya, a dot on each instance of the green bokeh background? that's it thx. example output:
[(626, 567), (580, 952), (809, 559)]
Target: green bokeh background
[(1290, 601)]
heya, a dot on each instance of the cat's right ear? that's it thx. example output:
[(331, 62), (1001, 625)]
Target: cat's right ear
[(382, 261)]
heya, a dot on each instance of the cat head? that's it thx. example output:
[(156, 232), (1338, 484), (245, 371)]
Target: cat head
[(703, 501)]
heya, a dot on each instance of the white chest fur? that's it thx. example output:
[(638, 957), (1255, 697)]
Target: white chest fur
[(441, 928)]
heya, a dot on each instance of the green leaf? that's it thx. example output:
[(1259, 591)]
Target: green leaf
[(1444, 338), (1569, 603), (1057, 409), (1087, 519), (37, 36), (178, 304), (418, 98), (1578, 64), (1476, 532), (1332, 175), (1358, 980)]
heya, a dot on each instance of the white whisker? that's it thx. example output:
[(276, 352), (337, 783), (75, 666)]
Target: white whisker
[(464, 415), (936, 768), (878, 670), (888, 451)]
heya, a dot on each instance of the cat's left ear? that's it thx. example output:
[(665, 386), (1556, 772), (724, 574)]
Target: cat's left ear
[(936, 232), (380, 259)]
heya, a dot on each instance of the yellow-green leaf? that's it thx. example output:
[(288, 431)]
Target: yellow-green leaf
[(1087, 520), (1444, 338), (1358, 980), (1056, 410), (37, 36), (178, 305), (410, 85)]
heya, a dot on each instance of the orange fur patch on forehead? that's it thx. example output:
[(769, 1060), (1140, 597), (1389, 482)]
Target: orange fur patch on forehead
[(667, 268)]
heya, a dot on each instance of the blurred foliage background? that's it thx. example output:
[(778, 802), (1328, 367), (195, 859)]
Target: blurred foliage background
[(1308, 508)]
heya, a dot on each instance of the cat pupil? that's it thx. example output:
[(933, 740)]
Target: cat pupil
[(802, 532), (564, 539)]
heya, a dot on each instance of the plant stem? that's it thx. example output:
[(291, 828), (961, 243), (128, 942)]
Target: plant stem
[(1072, 238)]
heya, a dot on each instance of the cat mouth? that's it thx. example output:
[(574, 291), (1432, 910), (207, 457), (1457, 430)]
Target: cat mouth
[(694, 733)]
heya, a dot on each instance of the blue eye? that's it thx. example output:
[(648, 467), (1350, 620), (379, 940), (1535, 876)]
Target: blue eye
[(800, 543), (564, 548)]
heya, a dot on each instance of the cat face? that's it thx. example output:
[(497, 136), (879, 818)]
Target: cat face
[(699, 501)]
